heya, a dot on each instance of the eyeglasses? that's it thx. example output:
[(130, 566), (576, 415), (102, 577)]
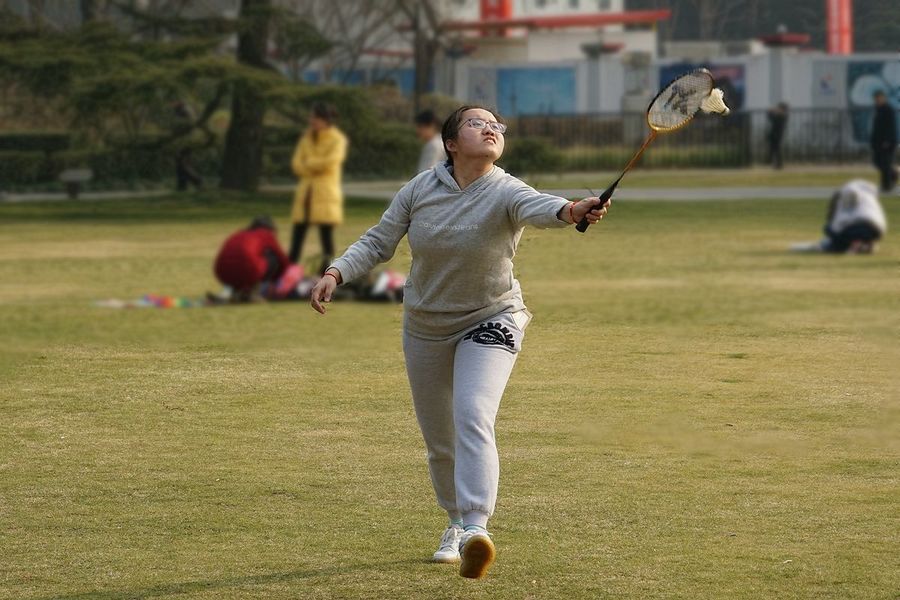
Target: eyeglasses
[(481, 124)]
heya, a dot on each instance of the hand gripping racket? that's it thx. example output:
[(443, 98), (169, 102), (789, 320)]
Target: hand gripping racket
[(672, 108)]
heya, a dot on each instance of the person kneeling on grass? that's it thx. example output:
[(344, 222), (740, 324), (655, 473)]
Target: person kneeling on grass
[(855, 221), (249, 259), (464, 316)]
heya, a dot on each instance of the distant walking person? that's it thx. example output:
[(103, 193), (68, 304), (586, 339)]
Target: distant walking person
[(319, 200), (884, 140), (186, 174), (428, 128), (777, 117)]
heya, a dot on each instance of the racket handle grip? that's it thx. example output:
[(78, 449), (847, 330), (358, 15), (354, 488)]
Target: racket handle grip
[(606, 195)]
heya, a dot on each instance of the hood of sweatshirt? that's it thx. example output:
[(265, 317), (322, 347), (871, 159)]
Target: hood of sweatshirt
[(444, 172)]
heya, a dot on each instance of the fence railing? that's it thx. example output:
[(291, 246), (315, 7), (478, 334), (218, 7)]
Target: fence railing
[(560, 143), (741, 139)]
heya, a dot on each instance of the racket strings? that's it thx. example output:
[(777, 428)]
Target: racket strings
[(679, 101)]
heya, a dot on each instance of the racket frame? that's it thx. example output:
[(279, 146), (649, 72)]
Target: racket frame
[(654, 131)]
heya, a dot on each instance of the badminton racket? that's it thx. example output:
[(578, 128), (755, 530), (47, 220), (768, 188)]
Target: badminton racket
[(672, 108)]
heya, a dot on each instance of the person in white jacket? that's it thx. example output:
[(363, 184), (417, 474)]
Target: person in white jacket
[(464, 313), (428, 130), (855, 221)]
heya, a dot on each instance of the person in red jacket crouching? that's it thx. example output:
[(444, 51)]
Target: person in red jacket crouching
[(249, 260)]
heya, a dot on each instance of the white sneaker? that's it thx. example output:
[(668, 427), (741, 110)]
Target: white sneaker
[(808, 246), (448, 550), (477, 552)]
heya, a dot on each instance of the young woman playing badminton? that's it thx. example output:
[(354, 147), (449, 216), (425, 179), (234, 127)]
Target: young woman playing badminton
[(464, 316)]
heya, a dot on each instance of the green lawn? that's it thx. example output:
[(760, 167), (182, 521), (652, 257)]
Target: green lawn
[(695, 414)]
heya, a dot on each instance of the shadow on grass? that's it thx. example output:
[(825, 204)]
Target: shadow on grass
[(825, 260), (187, 587)]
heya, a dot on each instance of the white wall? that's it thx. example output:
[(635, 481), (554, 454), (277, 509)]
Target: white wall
[(804, 80)]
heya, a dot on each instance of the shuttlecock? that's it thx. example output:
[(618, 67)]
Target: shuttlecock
[(715, 103)]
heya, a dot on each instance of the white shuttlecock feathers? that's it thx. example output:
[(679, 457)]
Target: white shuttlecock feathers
[(715, 103)]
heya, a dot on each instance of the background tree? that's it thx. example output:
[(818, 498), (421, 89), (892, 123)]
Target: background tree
[(298, 42), (354, 29), (426, 20), (242, 163)]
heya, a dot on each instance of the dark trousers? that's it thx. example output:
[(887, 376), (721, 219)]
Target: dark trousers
[(775, 157), (326, 236), (186, 175), (857, 232), (884, 162)]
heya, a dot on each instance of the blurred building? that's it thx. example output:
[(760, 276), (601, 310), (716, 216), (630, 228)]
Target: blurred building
[(557, 57)]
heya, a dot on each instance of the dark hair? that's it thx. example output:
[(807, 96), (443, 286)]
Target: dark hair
[(877, 93), (262, 222), (451, 126), (427, 117), (326, 112)]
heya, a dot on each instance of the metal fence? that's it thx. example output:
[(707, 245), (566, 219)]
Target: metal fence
[(741, 139)]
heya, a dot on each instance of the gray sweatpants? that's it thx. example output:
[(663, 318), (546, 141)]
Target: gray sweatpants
[(456, 385)]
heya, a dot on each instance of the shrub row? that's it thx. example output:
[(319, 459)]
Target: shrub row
[(18, 169), (46, 142), (529, 155), (390, 151), (382, 152)]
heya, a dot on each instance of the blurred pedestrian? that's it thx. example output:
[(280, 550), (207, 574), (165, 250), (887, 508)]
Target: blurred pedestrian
[(248, 259), (777, 116), (855, 221), (183, 116), (464, 316), (319, 200), (185, 172), (884, 140), (428, 128)]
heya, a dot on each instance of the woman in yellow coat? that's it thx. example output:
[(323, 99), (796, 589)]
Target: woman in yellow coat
[(318, 161)]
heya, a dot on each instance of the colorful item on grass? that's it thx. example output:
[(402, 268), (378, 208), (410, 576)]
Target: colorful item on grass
[(153, 301), (381, 286)]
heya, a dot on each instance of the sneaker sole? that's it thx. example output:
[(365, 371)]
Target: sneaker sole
[(477, 557)]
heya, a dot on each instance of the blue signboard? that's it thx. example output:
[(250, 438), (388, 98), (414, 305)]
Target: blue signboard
[(536, 91)]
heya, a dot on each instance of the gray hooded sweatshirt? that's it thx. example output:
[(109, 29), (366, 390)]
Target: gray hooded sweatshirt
[(462, 242)]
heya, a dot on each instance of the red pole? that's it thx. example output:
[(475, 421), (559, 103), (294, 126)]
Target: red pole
[(496, 9), (839, 14)]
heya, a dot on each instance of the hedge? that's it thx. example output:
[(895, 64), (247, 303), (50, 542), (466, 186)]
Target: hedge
[(589, 158), (23, 168), (381, 151), (384, 150), (388, 150), (531, 155), (46, 142)]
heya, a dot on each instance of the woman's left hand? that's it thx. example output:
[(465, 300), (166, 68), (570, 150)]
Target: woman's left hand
[(590, 208)]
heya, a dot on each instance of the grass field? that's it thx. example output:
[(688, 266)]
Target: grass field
[(696, 414)]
